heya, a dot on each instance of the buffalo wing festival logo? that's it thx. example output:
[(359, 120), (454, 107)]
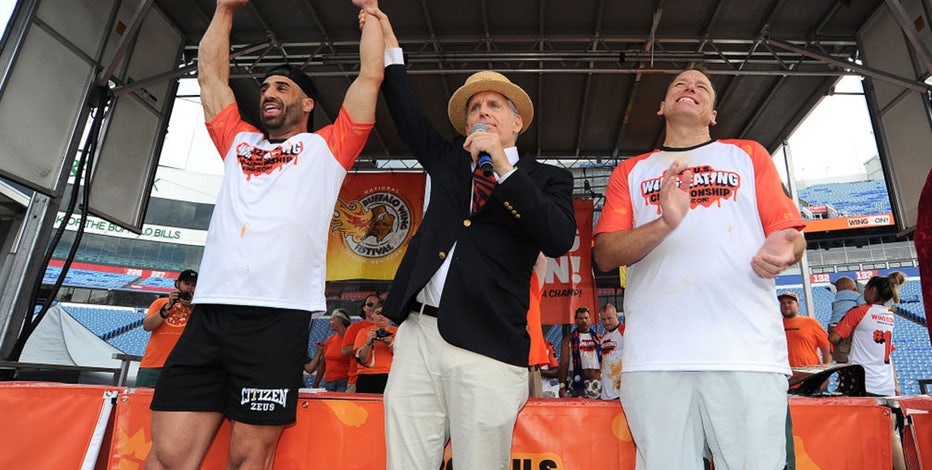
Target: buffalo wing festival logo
[(256, 161), (709, 186), (374, 225)]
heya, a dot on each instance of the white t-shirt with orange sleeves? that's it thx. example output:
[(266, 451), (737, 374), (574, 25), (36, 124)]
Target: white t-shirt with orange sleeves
[(694, 303), (267, 241), (871, 330)]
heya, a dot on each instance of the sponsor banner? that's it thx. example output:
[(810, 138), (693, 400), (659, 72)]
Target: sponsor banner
[(346, 431), (154, 233), (845, 223), (569, 283), (374, 218)]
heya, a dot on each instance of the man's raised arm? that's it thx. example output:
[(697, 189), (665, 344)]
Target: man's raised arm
[(363, 93), (213, 59)]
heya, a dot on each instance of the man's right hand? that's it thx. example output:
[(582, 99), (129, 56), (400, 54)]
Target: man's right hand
[(231, 4), (387, 34), (173, 297), (674, 193)]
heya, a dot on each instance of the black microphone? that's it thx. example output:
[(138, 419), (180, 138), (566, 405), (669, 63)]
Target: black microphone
[(485, 160)]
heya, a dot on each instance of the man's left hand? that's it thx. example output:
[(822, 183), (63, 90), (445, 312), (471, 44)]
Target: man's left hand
[(776, 254)]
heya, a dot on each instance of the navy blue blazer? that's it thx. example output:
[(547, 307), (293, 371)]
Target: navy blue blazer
[(483, 307)]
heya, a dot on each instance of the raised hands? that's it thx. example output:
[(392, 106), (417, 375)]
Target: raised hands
[(231, 4)]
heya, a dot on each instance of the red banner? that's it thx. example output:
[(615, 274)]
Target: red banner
[(374, 217), (569, 283)]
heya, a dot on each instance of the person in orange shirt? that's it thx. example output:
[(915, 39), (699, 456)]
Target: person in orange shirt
[(334, 368), (537, 356), (369, 304), (805, 337), (374, 351), (166, 319)]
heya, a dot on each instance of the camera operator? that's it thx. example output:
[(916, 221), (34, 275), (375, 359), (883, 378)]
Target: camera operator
[(166, 319), (374, 350)]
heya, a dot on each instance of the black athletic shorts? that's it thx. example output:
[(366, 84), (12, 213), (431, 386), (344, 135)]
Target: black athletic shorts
[(245, 362)]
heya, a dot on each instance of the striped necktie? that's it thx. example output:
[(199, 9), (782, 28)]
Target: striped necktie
[(482, 187)]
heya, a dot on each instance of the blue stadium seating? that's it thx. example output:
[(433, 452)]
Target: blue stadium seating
[(105, 322), (858, 198), (162, 282), (131, 342), (911, 304), (88, 278), (912, 356)]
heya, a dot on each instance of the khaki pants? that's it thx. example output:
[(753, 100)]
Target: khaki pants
[(438, 391), (840, 351), (535, 390)]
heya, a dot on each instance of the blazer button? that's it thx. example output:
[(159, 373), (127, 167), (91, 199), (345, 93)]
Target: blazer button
[(517, 216), (441, 255), (467, 223), (514, 212)]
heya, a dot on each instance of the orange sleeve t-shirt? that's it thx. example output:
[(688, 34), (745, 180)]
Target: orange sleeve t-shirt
[(337, 364), (804, 337), (165, 336), (383, 353), (349, 339), (538, 352)]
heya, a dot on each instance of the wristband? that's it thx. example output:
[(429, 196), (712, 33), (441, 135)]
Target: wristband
[(162, 313)]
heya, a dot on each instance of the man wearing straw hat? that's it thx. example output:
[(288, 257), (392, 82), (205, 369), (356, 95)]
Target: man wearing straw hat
[(460, 295)]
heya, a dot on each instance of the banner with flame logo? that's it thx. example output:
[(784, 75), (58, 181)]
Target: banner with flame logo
[(569, 283), (375, 216)]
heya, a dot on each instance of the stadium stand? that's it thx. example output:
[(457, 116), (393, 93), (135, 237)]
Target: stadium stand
[(106, 322), (86, 278), (859, 198), (911, 305), (160, 282), (132, 341), (122, 327), (912, 356)]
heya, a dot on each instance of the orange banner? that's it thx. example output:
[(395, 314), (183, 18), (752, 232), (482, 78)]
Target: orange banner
[(333, 431), (845, 223), (917, 438), (345, 432), (52, 425), (841, 433), (374, 217), (569, 283)]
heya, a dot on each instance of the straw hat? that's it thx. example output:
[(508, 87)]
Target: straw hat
[(488, 81)]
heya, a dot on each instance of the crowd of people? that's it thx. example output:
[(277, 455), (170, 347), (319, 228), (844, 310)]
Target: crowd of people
[(700, 364)]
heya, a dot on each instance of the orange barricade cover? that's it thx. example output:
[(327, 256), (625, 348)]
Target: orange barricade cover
[(48, 425), (917, 441), (840, 433)]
